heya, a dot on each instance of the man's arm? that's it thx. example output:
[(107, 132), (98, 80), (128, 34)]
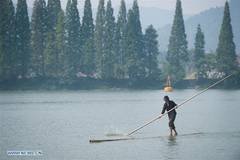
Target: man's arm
[(174, 104), (163, 110)]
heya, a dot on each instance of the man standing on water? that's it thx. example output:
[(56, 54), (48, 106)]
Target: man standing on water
[(171, 115)]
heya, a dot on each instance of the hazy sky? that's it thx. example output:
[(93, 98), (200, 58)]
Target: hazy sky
[(189, 6)]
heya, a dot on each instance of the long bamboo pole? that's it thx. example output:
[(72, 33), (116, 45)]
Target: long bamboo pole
[(159, 117)]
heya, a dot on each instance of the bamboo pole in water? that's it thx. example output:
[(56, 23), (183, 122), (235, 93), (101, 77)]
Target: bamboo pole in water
[(159, 117)]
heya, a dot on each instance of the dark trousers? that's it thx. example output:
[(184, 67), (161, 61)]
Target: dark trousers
[(172, 117)]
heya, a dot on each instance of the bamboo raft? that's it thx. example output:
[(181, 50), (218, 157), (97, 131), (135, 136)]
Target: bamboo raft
[(128, 138), (110, 139)]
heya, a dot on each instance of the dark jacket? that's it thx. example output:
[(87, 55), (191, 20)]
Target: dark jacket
[(169, 107)]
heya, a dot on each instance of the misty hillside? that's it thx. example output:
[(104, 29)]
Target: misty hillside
[(157, 17), (149, 15), (210, 21)]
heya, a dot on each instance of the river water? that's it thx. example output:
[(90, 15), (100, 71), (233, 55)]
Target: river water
[(59, 124)]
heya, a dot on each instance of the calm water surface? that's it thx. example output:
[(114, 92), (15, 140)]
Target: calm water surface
[(60, 123)]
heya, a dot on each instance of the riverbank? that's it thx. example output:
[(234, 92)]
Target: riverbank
[(89, 83), (80, 84)]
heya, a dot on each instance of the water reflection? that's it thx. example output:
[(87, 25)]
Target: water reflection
[(172, 141), (172, 148)]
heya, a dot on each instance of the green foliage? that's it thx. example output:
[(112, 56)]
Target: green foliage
[(87, 29), (226, 54), (89, 57), (108, 57), (53, 9), (7, 39), (199, 52), (51, 57), (22, 58), (61, 47), (87, 38), (152, 53), (121, 43), (73, 43), (99, 37), (234, 81), (208, 66), (38, 37), (177, 55), (135, 45)]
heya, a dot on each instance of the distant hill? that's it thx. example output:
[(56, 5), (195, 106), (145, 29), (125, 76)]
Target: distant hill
[(157, 17), (210, 21), (148, 16)]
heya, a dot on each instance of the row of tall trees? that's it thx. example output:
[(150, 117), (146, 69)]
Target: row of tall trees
[(178, 56), (60, 44), (226, 59)]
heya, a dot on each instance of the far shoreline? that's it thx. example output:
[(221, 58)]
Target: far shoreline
[(96, 84)]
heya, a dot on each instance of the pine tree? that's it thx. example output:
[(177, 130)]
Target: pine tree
[(226, 54), (1, 59), (87, 31), (53, 9), (72, 27), (51, 60), (69, 70), (51, 56), (109, 47), (135, 45), (100, 36), (22, 39), (120, 66), (139, 41), (60, 33), (199, 53), (60, 44), (177, 54), (7, 39), (87, 22), (152, 53), (38, 37), (76, 42)]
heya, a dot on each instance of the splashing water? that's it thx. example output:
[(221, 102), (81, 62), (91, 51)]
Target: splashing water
[(113, 132)]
